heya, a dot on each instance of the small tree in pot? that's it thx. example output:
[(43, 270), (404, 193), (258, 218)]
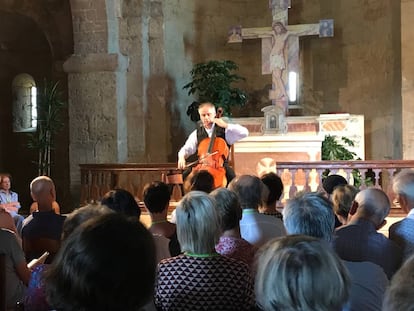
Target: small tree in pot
[(212, 82), (49, 106)]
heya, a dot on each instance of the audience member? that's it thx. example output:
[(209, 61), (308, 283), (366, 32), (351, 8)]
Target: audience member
[(44, 223), (275, 190), (342, 198), (201, 278), (400, 294), (55, 206), (330, 182), (199, 180), (402, 232), (16, 272), (255, 228), (312, 214), (6, 221), (9, 200), (300, 273), (231, 244), (35, 298), (108, 263), (359, 239), (157, 200), (122, 201)]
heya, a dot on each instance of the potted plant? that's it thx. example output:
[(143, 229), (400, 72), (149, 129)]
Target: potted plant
[(212, 81), (334, 150), (49, 106)]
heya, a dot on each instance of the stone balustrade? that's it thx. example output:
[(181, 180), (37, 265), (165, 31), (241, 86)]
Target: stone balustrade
[(307, 176)]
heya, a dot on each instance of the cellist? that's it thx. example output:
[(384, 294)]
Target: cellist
[(208, 121)]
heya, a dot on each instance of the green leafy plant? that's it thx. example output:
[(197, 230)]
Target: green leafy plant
[(212, 82), (334, 148), (49, 106)]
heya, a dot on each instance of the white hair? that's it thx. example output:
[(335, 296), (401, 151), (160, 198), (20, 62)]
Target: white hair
[(198, 223)]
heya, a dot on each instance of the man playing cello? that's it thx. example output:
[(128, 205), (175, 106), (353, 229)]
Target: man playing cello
[(207, 125)]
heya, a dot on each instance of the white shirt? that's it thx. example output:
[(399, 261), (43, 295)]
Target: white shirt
[(234, 132), (258, 228)]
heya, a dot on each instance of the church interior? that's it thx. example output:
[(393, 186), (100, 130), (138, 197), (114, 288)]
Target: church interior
[(122, 65)]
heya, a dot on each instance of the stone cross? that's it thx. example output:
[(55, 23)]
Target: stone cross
[(280, 47)]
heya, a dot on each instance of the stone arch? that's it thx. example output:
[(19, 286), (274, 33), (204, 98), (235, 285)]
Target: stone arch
[(44, 41), (53, 20)]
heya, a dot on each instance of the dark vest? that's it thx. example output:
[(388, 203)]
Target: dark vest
[(202, 133)]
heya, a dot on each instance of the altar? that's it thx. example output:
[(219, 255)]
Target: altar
[(259, 152)]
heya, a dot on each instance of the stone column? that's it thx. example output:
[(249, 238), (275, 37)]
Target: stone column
[(97, 91), (407, 71)]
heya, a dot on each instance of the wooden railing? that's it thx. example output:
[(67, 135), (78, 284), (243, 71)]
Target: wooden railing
[(97, 179)]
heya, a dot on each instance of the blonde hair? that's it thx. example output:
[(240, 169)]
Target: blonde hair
[(300, 273)]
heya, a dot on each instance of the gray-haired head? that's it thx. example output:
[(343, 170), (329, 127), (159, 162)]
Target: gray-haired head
[(400, 294), (249, 189), (403, 186), (372, 204), (300, 273), (198, 223), (310, 214)]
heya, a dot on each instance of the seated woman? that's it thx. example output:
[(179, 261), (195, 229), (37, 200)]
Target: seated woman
[(17, 273), (342, 198), (298, 273), (122, 201), (199, 180), (157, 199), (7, 222), (274, 186), (231, 244), (35, 298), (201, 276), (108, 263), (9, 200)]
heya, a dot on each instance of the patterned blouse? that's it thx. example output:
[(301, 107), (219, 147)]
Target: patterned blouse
[(237, 248), (196, 282)]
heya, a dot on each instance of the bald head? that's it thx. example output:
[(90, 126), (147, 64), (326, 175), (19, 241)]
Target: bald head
[(42, 190), (373, 204)]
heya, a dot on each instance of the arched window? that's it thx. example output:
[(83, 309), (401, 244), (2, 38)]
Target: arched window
[(24, 103)]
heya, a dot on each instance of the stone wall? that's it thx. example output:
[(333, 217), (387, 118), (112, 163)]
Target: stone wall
[(34, 39), (407, 62), (358, 71), (353, 72)]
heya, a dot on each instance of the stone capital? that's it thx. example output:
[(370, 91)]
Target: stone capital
[(88, 63)]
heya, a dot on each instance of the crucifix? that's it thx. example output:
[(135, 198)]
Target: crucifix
[(280, 48)]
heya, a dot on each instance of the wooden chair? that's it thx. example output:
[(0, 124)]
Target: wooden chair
[(2, 282), (175, 181), (34, 248)]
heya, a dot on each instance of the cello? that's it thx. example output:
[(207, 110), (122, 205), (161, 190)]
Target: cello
[(212, 153)]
